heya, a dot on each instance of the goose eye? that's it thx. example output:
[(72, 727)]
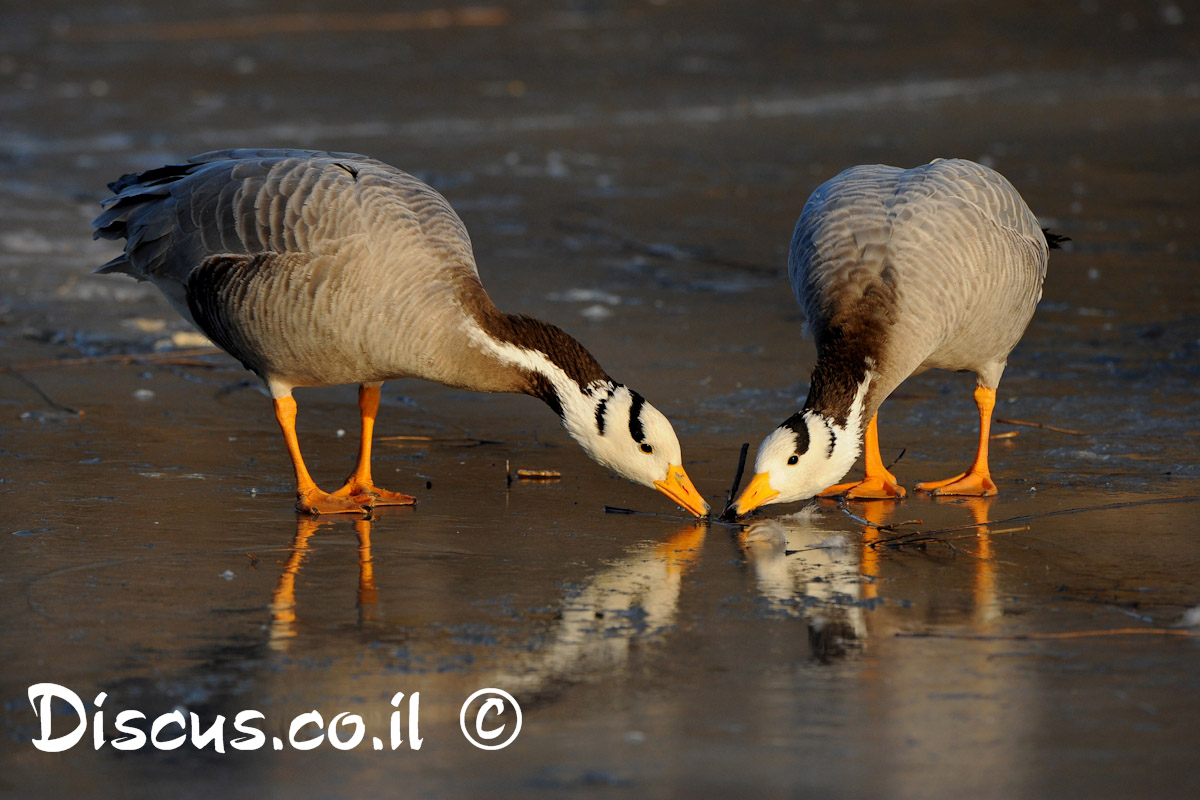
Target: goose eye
[(646, 447), (793, 460)]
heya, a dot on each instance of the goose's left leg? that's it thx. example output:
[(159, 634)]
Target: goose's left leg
[(359, 486), (977, 481), (878, 483)]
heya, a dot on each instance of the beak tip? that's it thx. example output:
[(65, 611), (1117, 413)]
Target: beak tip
[(757, 493)]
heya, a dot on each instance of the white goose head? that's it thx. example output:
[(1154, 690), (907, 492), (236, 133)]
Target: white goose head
[(614, 424), (808, 453), (619, 429)]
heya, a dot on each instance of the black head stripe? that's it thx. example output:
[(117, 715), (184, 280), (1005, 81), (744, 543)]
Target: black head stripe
[(635, 417), (796, 424), (600, 410)]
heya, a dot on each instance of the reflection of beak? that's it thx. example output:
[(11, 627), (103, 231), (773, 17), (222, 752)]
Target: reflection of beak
[(756, 493), (678, 486)]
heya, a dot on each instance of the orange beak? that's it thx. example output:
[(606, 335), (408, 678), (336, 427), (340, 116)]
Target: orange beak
[(678, 486), (756, 493)]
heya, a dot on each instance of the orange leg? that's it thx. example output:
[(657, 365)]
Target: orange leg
[(309, 498), (879, 484), (977, 481), (359, 486)]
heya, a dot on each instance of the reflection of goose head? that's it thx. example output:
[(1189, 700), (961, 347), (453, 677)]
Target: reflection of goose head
[(632, 600), (636, 596), (805, 570)]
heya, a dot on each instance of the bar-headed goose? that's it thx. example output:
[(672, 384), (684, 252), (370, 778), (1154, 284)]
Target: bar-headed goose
[(898, 271), (316, 269)]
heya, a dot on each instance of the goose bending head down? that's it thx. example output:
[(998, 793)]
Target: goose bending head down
[(318, 269), (899, 271)]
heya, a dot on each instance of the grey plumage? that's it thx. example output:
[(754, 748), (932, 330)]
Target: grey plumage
[(937, 266), (314, 268)]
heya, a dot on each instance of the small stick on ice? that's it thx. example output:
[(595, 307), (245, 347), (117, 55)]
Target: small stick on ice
[(619, 510), (538, 475), (727, 514), (41, 392), (1038, 425)]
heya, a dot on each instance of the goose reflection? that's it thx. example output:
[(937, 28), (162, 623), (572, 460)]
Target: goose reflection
[(811, 566), (806, 566), (630, 601), (283, 627), (805, 570)]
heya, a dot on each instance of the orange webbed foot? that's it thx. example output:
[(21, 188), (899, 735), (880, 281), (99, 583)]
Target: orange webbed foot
[(878, 483), (970, 484), (873, 487), (318, 502), (368, 494)]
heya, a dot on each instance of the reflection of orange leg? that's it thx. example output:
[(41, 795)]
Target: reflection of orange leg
[(977, 481), (283, 599), (879, 484), (987, 605), (877, 514), (368, 597), (309, 498), (985, 570), (359, 486)]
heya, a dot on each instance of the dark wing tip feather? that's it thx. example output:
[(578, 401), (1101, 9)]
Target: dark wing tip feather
[(1054, 240), (118, 264), (150, 178)]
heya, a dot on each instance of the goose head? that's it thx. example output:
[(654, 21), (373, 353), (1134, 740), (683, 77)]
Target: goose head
[(614, 424), (806, 454), (620, 430)]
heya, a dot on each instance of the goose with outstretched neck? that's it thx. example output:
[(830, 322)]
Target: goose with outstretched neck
[(319, 269)]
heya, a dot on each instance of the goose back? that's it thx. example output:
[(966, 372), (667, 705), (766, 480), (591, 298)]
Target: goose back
[(314, 268)]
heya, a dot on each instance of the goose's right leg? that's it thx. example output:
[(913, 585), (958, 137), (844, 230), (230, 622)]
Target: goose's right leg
[(360, 486), (976, 481)]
